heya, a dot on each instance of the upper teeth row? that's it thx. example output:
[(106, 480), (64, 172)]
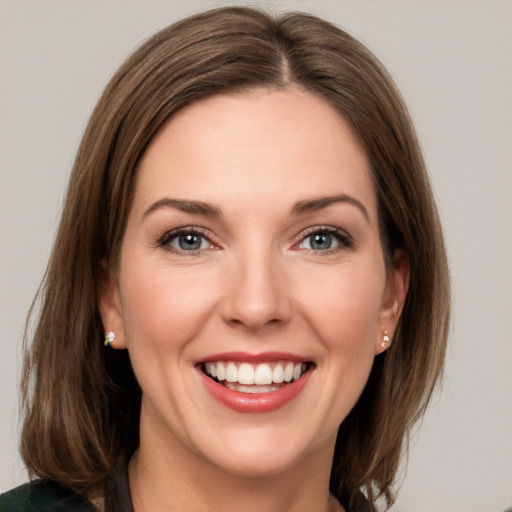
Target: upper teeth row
[(259, 374)]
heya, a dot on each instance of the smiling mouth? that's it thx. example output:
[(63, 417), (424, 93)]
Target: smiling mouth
[(255, 378)]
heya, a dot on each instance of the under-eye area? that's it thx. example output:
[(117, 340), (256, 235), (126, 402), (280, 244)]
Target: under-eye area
[(255, 378)]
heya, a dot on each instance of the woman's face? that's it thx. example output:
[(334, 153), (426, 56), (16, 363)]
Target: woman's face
[(251, 257)]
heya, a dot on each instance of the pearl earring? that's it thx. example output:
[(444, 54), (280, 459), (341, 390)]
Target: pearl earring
[(385, 340), (109, 338)]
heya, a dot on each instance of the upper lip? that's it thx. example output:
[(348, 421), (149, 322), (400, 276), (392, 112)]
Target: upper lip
[(261, 357)]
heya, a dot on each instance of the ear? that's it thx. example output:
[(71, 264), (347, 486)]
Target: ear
[(395, 293), (109, 306)]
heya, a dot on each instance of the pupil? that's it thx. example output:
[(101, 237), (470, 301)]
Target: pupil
[(321, 241), (189, 242)]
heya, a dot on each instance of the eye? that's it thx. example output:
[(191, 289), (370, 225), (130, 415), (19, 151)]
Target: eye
[(318, 242), (189, 242), (325, 239), (185, 241)]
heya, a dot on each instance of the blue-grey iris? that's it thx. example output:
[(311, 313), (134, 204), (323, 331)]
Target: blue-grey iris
[(320, 241), (189, 242)]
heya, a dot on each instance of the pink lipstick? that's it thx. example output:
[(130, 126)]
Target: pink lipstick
[(254, 383)]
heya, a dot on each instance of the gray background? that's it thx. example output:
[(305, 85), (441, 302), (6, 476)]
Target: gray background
[(453, 62)]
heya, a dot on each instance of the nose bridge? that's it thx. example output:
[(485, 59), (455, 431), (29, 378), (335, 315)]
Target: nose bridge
[(258, 294)]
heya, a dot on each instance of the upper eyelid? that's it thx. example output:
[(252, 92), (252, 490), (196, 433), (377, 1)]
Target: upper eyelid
[(170, 233), (324, 228)]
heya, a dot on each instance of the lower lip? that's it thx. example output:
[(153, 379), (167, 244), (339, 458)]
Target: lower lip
[(256, 403)]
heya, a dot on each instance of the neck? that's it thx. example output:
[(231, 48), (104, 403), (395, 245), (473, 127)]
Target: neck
[(172, 478)]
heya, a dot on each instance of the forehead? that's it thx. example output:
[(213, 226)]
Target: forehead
[(256, 146)]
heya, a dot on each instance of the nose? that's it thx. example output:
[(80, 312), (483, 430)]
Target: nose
[(258, 293)]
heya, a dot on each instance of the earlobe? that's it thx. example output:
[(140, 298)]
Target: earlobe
[(109, 306), (397, 286)]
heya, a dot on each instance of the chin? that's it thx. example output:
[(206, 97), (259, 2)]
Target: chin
[(261, 452), (258, 465)]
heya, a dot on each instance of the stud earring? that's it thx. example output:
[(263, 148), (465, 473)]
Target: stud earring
[(109, 338), (385, 340)]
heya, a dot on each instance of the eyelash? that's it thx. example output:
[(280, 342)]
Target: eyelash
[(168, 236), (340, 235)]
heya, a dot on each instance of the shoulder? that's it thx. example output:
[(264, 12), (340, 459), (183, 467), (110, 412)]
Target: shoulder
[(43, 496)]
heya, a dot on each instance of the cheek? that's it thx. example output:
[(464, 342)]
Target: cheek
[(348, 321), (162, 308), (345, 310)]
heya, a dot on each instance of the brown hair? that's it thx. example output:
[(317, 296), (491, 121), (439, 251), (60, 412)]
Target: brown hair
[(81, 402)]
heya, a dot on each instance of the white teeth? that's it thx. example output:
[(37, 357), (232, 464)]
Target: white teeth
[(245, 374), (263, 375), (231, 372), (278, 374), (221, 371), (255, 375), (250, 389), (288, 372)]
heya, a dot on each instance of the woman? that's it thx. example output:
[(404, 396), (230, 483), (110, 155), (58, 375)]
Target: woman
[(250, 229)]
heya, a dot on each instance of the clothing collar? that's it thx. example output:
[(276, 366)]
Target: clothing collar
[(117, 490)]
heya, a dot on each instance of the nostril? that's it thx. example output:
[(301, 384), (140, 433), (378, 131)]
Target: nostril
[(256, 298)]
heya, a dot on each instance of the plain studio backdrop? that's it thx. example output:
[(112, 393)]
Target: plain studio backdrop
[(453, 62)]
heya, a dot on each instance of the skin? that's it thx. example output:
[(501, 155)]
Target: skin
[(256, 284)]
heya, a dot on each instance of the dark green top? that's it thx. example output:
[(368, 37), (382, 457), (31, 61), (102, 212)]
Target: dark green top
[(49, 496), (43, 496)]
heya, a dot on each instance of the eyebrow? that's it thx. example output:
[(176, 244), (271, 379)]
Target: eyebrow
[(187, 206), (313, 205), (299, 208)]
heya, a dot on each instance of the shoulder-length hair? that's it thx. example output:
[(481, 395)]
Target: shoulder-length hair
[(81, 402)]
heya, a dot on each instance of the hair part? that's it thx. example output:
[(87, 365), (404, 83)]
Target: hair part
[(82, 403)]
